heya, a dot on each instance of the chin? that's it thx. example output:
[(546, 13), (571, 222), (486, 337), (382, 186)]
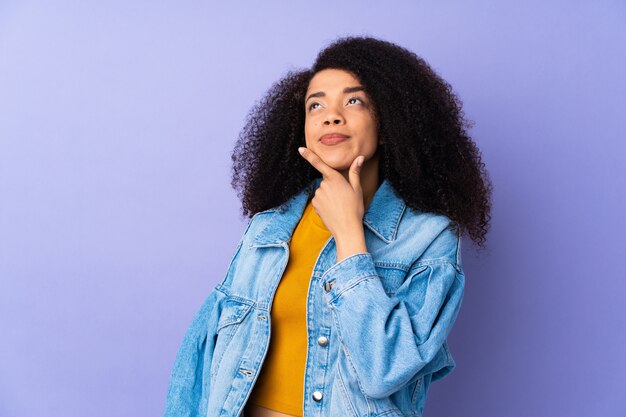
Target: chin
[(335, 160), (338, 164)]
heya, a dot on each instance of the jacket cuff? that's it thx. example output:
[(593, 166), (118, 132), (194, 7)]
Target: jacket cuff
[(347, 273)]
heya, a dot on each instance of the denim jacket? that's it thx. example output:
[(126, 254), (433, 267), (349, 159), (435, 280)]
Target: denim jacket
[(377, 322)]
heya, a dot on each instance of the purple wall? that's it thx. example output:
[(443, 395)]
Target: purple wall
[(116, 124)]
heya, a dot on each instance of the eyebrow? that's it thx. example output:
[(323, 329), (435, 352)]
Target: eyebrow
[(345, 91)]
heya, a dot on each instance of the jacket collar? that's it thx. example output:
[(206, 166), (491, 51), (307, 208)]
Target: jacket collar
[(382, 216)]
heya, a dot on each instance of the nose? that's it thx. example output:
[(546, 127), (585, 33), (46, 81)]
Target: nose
[(334, 117)]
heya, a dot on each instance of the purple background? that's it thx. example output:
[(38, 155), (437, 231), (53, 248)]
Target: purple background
[(117, 120)]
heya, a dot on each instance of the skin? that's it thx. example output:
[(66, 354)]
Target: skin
[(346, 188)]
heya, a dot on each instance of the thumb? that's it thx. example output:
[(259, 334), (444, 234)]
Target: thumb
[(355, 172)]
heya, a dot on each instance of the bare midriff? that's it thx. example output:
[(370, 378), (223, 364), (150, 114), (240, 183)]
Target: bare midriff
[(253, 410)]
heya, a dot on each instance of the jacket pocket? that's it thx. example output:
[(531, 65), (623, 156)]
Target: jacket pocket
[(234, 311)]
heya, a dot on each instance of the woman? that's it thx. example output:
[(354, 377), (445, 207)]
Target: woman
[(361, 179)]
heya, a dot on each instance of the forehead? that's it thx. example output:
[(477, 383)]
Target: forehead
[(332, 78)]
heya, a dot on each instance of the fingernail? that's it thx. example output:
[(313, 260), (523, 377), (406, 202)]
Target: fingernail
[(300, 149), (360, 161)]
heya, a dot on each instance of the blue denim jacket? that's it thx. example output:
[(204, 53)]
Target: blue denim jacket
[(377, 321)]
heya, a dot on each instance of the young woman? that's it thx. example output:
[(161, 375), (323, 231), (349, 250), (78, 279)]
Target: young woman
[(361, 179)]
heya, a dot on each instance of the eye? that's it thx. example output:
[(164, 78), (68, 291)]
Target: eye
[(355, 98), (312, 104)]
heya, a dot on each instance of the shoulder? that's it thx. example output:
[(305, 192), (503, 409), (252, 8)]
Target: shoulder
[(256, 224), (431, 237)]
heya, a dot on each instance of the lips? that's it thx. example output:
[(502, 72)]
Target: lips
[(333, 138)]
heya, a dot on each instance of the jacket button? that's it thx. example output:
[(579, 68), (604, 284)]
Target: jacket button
[(317, 396), (322, 340)]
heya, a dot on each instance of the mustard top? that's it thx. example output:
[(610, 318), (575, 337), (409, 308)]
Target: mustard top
[(280, 384)]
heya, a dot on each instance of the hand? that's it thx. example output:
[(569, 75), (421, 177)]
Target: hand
[(338, 202)]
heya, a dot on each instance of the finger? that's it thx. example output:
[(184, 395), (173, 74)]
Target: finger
[(354, 174), (316, 161)]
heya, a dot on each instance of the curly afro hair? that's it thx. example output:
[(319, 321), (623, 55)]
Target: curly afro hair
[(428, 156)]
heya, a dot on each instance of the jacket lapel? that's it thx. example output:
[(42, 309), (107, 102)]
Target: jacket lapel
[(382, 216)]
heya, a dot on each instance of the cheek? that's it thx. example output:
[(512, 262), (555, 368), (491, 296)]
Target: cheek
[(370, 142), (369, 150), (309, 132)]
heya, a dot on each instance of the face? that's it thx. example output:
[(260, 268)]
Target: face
[(336, 104)]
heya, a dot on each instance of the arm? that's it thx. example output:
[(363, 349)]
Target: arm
[(403, 333), (187, 386)]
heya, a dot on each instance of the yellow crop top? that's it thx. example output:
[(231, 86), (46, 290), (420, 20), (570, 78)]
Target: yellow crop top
[(280, 383)]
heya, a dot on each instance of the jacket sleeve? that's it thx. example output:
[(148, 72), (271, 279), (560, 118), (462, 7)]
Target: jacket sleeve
[(388, 340), (188, 389)]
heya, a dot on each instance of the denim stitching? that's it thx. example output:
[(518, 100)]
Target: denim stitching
[(346, 261), (435, 261), (344, 395), (352, 285), (358, 381), (392, 265)]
